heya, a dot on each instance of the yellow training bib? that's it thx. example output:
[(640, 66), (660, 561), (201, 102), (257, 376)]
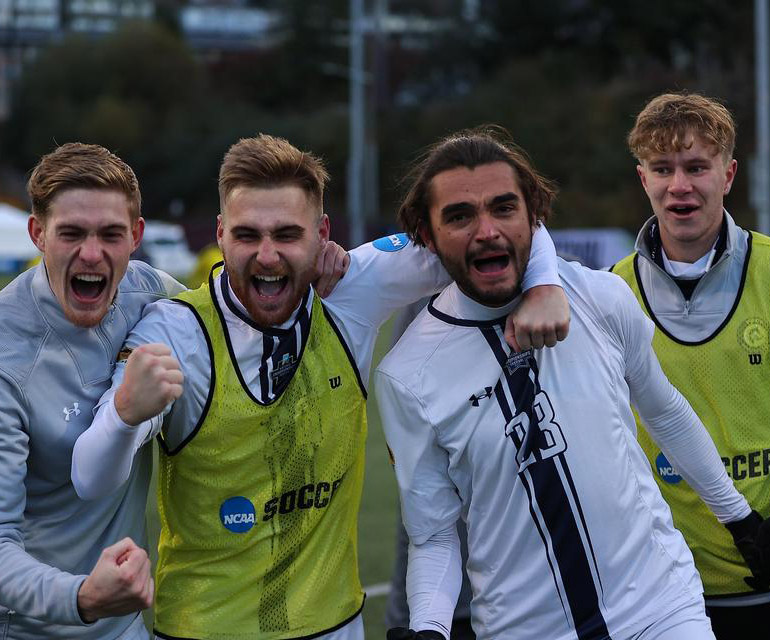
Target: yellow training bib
[(259, 507), (725, 379)]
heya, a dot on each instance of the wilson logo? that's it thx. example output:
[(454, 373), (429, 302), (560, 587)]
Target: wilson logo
[(755, 358), (335, 382)]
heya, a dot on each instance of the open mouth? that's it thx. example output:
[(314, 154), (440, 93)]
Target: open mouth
[(88, 287), (269, 286), (682, 209), (491, 264)]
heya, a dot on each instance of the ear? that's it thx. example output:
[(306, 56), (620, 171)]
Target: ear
[(324, 228), (730, 171), (642, 175), (137, 233), (220, 230), (426, 236), (36, 231)]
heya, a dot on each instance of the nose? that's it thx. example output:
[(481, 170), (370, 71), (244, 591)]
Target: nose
[(267, 253), (91, 249), (680, 182), (487, 228)]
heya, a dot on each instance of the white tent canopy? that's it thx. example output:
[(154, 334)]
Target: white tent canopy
[(15, 243)]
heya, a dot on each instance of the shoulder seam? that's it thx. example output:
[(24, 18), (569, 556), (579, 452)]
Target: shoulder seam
[(11, 379), (404, 386), (420, 377)]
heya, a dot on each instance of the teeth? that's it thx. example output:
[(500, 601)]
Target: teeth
[(89, 277), (269, 278)]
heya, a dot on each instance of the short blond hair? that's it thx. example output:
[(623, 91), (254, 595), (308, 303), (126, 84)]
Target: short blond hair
[(81, 166), (269, 161), (667, 121)]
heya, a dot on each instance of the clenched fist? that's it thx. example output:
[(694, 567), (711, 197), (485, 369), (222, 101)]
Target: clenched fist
[(153, 379), (542, 319), (333, 262), (120, 583)]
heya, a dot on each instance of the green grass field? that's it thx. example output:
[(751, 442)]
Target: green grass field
[(377, 518)]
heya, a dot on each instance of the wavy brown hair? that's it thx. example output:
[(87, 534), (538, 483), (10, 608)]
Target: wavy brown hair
[(471, 148)]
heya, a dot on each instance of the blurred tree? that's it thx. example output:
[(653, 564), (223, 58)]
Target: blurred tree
[(116, 90), (565, 77), (306, 69), (125, 91)]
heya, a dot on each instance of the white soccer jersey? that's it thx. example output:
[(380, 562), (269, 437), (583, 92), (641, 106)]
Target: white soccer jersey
[(568, 534)]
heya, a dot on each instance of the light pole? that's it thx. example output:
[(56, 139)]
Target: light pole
[(761, 167), (357, 85)]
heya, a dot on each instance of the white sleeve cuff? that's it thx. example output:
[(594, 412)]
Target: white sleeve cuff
[(433, 581), (542, 267)]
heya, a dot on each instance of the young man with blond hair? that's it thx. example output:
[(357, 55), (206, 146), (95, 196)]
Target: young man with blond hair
[(704, 282), (262, 455), (71, 569)]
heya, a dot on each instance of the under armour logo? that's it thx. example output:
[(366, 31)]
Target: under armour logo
[(335, 382), (480, 395), (68, 412)]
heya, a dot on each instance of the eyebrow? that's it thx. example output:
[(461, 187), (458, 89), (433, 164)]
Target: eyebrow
[(295, 228), (463, 206), (694, 159), (504, 197), (71, 226)]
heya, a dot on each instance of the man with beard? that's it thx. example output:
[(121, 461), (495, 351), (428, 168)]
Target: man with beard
[(262, 456), (704, 281), (568, 535), (68, 568)]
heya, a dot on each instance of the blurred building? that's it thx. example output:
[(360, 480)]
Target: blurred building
[(226, 26), (233, 26), (28, 25)]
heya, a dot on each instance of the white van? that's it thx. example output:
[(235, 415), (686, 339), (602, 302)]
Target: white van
[(165, 247)]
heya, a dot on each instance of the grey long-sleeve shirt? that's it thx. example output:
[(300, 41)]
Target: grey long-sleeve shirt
[(51, 376)]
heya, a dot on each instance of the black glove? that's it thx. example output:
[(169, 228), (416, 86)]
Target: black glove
[(752, 537), (402, 633)]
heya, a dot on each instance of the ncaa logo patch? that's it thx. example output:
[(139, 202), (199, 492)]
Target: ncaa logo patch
[(396, 242), (237, 514), (666, 470)]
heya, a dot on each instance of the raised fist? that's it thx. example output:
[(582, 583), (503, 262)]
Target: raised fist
[(153, 379)]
